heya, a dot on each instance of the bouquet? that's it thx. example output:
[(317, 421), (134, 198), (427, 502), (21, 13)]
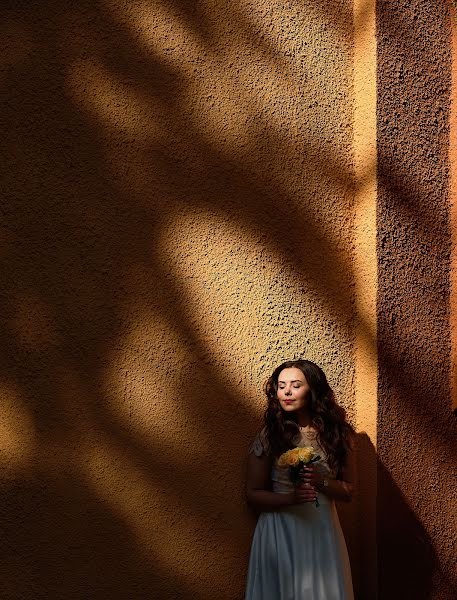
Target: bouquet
[(296, 459)]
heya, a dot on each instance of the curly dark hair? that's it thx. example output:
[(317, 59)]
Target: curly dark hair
[(334, 433)]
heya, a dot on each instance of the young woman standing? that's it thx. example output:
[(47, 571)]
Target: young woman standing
[(298, 551)]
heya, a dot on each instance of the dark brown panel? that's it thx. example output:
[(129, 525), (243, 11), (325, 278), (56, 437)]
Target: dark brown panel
[(416, 441)]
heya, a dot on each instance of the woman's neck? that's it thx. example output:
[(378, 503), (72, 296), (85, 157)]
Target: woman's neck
[(304, 419)]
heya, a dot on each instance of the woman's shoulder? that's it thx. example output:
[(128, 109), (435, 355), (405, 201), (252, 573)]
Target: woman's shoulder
[(260, 444)]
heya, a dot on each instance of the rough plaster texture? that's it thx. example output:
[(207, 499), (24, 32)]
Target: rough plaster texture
[(453, 205), (416, 429), (178, 220)]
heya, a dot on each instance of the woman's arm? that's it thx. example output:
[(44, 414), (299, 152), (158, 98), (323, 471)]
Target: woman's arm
[(258, 487)]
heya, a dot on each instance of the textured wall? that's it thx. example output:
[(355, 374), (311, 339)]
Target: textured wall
[(185, 187), (453, 205), (416, 429), (179, 219)]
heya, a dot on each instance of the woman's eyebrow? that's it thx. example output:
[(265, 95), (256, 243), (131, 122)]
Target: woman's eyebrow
[(293, 381)]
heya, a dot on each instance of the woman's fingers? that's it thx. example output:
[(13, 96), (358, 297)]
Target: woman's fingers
[(312, 479), (309, 475), (303, 499), (305, 493), (307, 471)]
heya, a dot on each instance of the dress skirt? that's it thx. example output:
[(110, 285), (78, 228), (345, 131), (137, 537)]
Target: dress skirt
[(299, 553)]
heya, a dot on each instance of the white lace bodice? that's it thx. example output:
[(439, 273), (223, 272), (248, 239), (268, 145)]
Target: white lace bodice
[(279, 475)]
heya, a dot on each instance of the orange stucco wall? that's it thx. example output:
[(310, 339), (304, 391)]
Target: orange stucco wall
[(190, 198), (179, 220)]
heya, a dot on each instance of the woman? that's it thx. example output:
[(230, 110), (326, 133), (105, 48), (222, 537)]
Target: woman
[(298, 551)]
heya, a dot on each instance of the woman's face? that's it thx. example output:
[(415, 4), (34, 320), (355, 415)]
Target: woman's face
[(293, 390)]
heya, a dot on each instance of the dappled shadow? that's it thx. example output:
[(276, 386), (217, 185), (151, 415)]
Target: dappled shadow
[(107, 147), (79, 244), (80, 237), (59, 540)]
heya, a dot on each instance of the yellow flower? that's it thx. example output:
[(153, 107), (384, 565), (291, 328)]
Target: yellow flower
[(283, 460), (306, 454), (293, 457)]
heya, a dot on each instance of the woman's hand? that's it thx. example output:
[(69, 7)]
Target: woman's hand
[(333, 488), (305, 493), (312, 476)]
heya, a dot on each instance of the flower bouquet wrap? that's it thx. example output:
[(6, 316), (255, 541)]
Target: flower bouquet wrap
[(295, 460)]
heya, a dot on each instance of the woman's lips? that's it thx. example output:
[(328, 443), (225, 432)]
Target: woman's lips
[(289, 401)]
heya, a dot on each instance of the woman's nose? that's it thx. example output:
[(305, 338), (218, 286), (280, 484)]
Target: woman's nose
[(288, 392)]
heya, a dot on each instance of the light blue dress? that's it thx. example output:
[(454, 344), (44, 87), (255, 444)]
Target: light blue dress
[(298, 552)]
